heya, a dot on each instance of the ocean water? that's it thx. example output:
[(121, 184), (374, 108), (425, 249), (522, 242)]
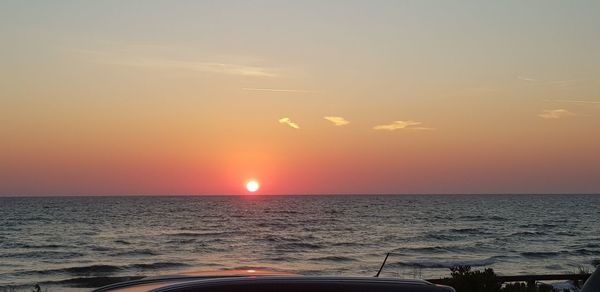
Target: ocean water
[(80, 242)]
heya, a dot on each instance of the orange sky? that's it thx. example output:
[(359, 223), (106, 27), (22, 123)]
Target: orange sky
[(312, 98)]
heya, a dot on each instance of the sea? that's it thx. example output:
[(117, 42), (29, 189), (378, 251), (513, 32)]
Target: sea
[(78, 243)]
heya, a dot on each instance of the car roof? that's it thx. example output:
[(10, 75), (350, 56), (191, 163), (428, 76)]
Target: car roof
[(277, 283)]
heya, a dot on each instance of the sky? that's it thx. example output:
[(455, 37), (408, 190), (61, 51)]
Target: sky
[(306, 97)]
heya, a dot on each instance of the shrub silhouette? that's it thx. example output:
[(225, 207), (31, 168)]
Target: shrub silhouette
[(463, 279)]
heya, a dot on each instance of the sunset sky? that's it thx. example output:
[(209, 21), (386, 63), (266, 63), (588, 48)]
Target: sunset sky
[(306, 97)]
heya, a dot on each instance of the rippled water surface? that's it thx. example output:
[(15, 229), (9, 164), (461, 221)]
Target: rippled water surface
[(70, 240)]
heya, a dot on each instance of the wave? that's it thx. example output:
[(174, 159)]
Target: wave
[(538, 225), (103, 270), (593, 245), (568, 233), (586, 245), (471, 217), (43, 254), (448, 264), (348, 244), (281, 212), (469, 231), (292, 243), (93, 269), (79, 271), (528, 233), (497, 218), (438, 249), (279, 238), (100, 248), (334, 259), (298, 246), (157, 266), (277, 225), (425, 249), (9, 244), (585, 251), (135, 252), (482, 217), (198, 234), (540, 254), (281, 258), (181, 241), (443, 237), (89, 282), (549, 254)]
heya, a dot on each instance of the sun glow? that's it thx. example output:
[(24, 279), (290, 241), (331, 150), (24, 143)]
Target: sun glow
[(252, 186)]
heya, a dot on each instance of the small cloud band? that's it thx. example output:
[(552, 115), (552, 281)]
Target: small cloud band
[(288, 121), (338, 121), (551, 114), (397, 125)]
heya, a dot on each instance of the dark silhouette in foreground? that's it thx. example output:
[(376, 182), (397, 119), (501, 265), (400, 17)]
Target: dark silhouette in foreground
[(463, 279)]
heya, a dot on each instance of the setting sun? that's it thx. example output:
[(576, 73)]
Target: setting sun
[(252, 186)]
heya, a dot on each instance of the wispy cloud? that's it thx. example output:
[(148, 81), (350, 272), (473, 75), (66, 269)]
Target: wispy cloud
[(288, 121), (397, 125), (210, 67), (120, 59), (555, 114), (277, 90), (561, 83), (526, 79), (338, 121), (575, 101)]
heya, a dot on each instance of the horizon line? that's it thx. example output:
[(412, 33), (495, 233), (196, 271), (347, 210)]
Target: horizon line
[(296, 195)]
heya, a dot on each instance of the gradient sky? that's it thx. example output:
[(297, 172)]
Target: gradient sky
[(197, 97)]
